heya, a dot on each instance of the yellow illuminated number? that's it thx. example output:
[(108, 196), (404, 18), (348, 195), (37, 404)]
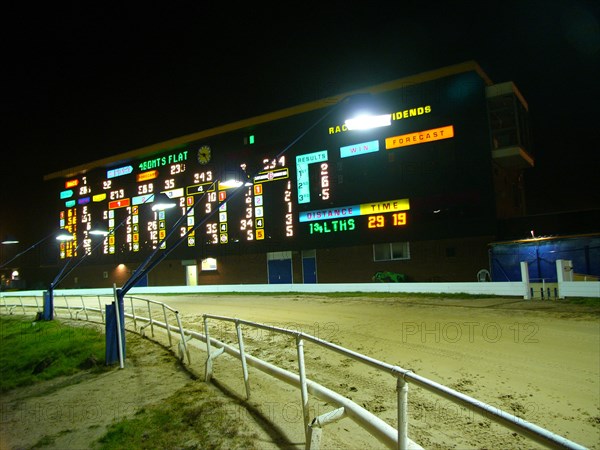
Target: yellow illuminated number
[(399, 219), (376, 221)]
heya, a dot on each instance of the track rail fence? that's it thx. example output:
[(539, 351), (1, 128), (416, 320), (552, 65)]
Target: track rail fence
[(144, 313)]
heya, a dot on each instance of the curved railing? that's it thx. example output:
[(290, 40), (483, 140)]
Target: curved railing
[(136, 307)]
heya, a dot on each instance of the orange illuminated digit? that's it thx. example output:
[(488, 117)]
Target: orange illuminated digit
[(376, 222), (399, 219)]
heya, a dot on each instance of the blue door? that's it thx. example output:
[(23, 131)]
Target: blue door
[(280, 271), (309, 270)]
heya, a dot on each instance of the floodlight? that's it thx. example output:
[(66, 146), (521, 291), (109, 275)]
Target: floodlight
[(366, 122), (9, 239), (162, 201)]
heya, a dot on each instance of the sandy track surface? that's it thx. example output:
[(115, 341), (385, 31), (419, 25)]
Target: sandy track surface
[(539, 360), (536, 360)]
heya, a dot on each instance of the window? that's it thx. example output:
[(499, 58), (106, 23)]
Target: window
[(394, 250), (209, 264)]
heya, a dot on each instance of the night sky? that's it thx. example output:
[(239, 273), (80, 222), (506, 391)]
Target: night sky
[(87, 81)]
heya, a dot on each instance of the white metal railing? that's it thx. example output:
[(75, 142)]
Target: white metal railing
[(381, 430), (133, 306), (362, 417)]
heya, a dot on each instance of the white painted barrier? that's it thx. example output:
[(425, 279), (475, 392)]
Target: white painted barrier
[(579, 289), (494, 288)]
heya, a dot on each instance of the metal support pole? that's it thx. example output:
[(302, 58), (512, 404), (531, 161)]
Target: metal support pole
[(315, 431), (303, 388), (238, 329), (84, 308), (208, 369), (402, 388), (168, 327), (118, 303), (100, 309), (49, 303), (68, 306), (183, 341), (133, 313), (151, 321)]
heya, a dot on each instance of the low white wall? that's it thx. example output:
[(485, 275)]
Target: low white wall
[(504, 289), (579, 289)]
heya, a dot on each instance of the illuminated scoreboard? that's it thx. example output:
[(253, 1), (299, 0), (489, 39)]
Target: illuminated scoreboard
[(425, 176)]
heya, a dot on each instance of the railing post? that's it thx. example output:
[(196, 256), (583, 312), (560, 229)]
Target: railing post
[(303, 388), (150, 318), (238, 330), (100, 308), (68, 306), (315, 430), (402, 388), (167, 325), (208, 369), (183, 341), (133, 313), (84, 308)]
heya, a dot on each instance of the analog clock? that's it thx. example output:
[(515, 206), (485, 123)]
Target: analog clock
[(204, 154)]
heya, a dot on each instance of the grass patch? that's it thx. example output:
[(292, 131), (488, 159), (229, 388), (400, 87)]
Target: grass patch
[(192, 418), (31, 352), (586, 301)]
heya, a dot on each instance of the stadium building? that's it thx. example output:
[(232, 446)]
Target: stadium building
[(308, 194)]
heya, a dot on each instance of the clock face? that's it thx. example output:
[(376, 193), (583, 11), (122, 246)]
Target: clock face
[(204, 154)]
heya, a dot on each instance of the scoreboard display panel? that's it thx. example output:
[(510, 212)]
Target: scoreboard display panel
[(300, 182)]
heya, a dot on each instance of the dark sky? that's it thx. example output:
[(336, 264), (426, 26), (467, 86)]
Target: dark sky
[(85, 81)]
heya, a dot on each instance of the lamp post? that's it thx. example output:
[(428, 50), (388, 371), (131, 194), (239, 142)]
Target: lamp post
[(8, 241), (48, 313), (62, 235), (160, 201)]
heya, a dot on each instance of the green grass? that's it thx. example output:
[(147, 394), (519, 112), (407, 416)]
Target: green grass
[(31, 352), (586, 301), (192, 418)]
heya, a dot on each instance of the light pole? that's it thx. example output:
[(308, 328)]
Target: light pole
[(8, 241), (62, 235), (48, 313), (160, 201)]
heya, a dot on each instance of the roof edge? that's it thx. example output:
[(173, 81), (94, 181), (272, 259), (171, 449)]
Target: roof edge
[(422, 77)]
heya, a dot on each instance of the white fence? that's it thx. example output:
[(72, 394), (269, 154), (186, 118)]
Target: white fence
[(504, 289), (579, 289), (76, 307)]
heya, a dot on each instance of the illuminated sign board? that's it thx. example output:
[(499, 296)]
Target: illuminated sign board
[(425, 176)]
